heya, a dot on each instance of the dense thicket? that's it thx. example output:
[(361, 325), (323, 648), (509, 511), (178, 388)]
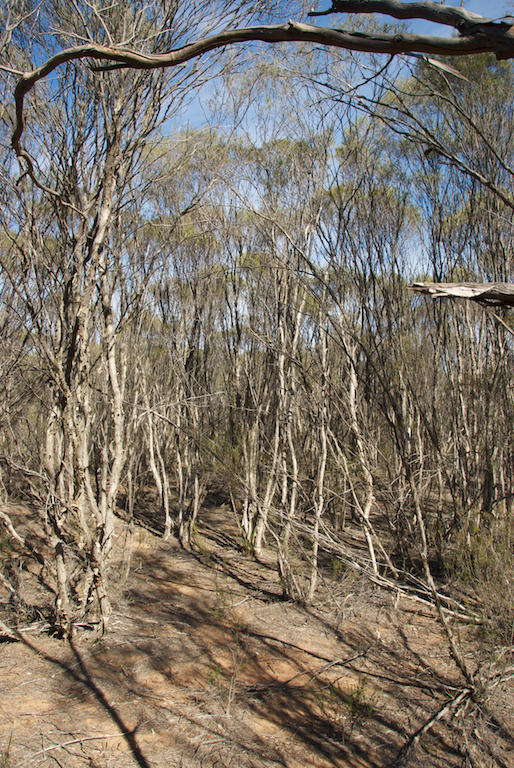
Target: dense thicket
[(193, 310)]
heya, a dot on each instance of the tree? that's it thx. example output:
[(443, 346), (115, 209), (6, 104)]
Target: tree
[(77, 225), (210, 311), (77, 264)]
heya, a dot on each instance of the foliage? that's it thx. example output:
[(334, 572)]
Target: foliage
[(482, 563), (186, 310)]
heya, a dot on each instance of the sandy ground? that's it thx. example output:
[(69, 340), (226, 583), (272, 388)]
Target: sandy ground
[(206, 666)]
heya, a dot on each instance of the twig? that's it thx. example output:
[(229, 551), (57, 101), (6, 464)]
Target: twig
[(326, 667), (12, 634), (234, 605), (73, 741)]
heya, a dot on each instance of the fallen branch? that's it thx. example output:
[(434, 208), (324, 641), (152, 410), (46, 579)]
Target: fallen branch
[(7, 632), (406, 751), (73, 741)]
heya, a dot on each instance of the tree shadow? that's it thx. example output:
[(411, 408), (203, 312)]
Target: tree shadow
[(227, 673), (79, 674)]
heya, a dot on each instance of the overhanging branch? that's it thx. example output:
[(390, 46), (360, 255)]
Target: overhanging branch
[(482, 35)]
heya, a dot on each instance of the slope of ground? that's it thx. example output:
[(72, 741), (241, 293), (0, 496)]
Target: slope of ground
[(207, 666)]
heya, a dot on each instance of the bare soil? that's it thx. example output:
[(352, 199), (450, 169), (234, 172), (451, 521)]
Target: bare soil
[(207, 666)]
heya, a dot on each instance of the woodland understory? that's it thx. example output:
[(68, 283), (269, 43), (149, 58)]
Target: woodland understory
[(220, 308)]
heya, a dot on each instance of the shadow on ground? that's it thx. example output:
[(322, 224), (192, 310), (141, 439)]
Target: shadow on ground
[(206, 666)]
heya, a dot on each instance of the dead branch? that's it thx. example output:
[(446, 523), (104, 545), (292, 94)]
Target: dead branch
[(80, 740), (406, 751), (8, 633), (492, 294)]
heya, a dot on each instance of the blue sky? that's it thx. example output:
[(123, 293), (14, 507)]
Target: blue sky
[(491, 9), (488, 8)]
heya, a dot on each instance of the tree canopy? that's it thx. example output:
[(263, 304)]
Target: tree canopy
[(475, 34)]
